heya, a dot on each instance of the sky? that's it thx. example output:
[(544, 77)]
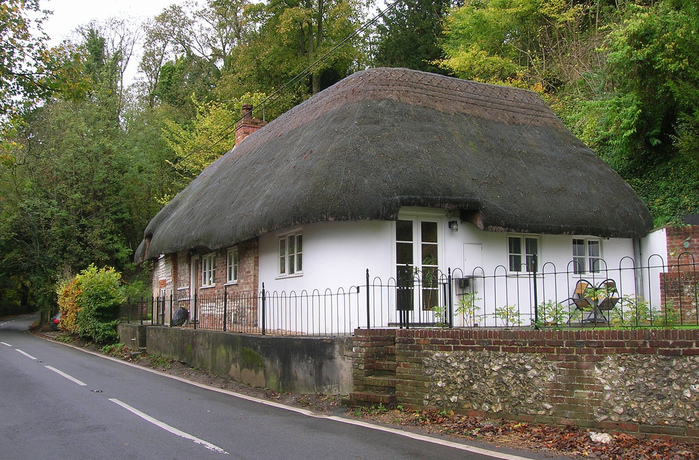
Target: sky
[(68, 15)]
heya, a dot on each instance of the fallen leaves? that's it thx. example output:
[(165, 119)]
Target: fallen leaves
[(567, 440)]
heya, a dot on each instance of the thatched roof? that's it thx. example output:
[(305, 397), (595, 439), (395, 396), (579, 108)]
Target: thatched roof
[(386, 138)]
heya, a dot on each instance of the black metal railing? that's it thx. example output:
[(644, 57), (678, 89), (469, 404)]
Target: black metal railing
[(657, 294)]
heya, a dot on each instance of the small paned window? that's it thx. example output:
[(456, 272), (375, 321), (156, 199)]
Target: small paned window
[(232, 265), (522, 253), (208, 270), (587, 255), (291, 255)]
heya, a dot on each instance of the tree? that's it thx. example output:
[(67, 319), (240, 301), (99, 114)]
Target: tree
[(186, 50), (62, 185), (534, 43), (285, 38), (23, 71), (409, 35), (652, 111), (211, 135)]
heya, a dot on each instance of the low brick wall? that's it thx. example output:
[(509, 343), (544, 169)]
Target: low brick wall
[(639, 381)]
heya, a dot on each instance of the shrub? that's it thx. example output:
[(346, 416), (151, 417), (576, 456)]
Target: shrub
[(68, 293), (90, 303)]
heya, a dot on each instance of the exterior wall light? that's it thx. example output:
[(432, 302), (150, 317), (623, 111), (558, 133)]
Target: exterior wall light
[(453, 225)]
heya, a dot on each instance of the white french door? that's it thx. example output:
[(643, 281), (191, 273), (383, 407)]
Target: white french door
[(417, 262)]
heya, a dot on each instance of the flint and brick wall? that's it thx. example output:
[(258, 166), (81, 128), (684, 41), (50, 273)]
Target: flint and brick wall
[(638, 381)]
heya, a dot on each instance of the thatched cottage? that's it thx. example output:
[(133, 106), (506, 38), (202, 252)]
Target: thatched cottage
[(392, 168)]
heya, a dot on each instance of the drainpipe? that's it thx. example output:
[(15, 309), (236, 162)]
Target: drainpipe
[(638, 262)]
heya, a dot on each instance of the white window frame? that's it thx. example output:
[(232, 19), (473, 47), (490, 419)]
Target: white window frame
[(524, 254), (232, 265), (586, 262), (290, 254), (208, 270)]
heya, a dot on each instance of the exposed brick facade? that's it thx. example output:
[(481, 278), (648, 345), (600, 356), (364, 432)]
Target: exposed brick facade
[(679, 284)]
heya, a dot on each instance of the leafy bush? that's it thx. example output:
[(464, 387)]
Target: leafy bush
[(90, 303), (68, 293)]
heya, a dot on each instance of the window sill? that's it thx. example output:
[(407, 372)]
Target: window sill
[(295, 275)]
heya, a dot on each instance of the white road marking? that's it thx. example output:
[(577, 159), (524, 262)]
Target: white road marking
[(398, 432), (420, 437), (25, 354), (69, 377), (169, 428), (6, 344)]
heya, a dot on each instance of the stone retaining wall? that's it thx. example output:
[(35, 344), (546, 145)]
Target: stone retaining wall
[(283, 364), (639, 381)]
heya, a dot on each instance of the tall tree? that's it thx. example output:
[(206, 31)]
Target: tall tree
[(23, 56), (290, 36), (535, 43), (409, 34), (652, 112), (65, 205), (186, 50)]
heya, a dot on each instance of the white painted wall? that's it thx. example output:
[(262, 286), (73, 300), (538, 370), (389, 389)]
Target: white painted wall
[(654, 248), (336, 256)]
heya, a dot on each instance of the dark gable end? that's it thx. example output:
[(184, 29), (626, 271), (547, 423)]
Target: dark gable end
[(386, 138)]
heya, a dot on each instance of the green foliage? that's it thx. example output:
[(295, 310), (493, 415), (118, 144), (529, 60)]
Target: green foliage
[(651, 119), (115, 349), (552, 314), (408, 35), (634, 311), (440, 314), (468, 308), (208, 139), (90, 303), (508, 315), (623, 76), (24, 58), (541, 44), (68, 303), (285, 38)]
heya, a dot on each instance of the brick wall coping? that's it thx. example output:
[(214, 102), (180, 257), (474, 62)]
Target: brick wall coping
[(654, 341)]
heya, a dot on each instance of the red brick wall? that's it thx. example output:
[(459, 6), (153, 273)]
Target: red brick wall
[(676, 239), (248, 271), (679, 285)]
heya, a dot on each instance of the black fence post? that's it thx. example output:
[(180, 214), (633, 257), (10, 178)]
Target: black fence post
[(172, 299), (536, 296), (450, 299), (263, 309), (194, 319), (368, 299), (225, 306)]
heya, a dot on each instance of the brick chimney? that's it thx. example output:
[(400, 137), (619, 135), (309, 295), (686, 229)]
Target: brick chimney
[(247, 125)]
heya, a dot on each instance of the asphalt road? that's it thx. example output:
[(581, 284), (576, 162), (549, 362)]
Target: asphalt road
[(58, 402)]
